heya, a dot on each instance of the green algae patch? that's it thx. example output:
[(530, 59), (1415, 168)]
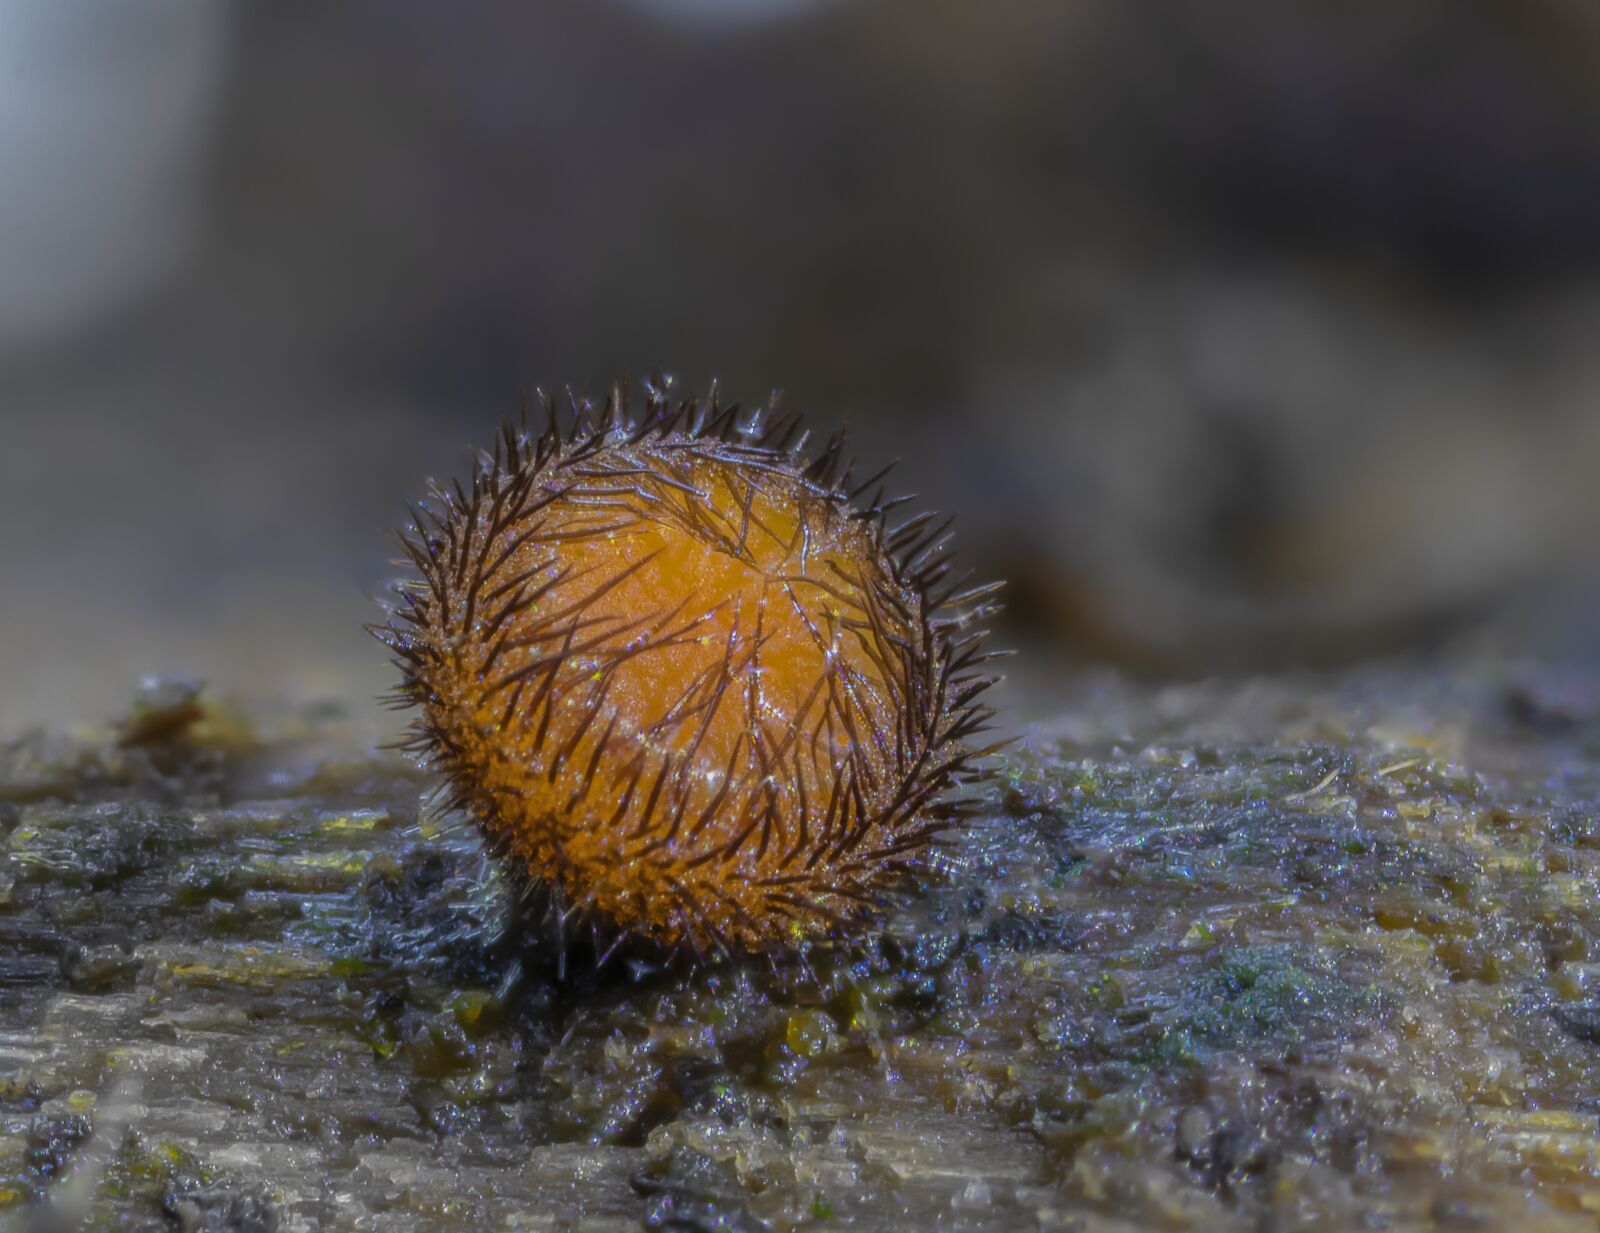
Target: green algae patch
[(1267, 994)]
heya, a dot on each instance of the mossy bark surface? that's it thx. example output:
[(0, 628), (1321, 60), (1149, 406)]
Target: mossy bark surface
[(1287, 953)]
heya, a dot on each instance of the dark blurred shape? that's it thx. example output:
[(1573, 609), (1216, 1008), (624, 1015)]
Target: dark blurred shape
[(1235, 332), (163, 709)]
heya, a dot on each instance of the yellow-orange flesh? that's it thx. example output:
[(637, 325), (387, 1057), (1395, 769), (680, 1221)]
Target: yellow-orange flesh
[(699, 717)]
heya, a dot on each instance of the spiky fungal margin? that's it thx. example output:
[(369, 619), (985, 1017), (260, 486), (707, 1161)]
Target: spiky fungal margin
[(683, 681)]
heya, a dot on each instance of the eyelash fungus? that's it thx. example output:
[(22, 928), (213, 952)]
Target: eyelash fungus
[(685, 681)]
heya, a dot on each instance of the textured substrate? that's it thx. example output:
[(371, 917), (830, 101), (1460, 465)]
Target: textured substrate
[(1288, 954)]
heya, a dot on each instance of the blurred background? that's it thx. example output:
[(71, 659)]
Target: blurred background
[(1239, 334)]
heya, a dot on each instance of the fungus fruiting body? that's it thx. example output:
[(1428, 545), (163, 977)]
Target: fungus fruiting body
[(684, 679)]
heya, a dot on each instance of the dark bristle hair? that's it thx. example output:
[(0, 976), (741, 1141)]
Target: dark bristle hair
[(522, 634)]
